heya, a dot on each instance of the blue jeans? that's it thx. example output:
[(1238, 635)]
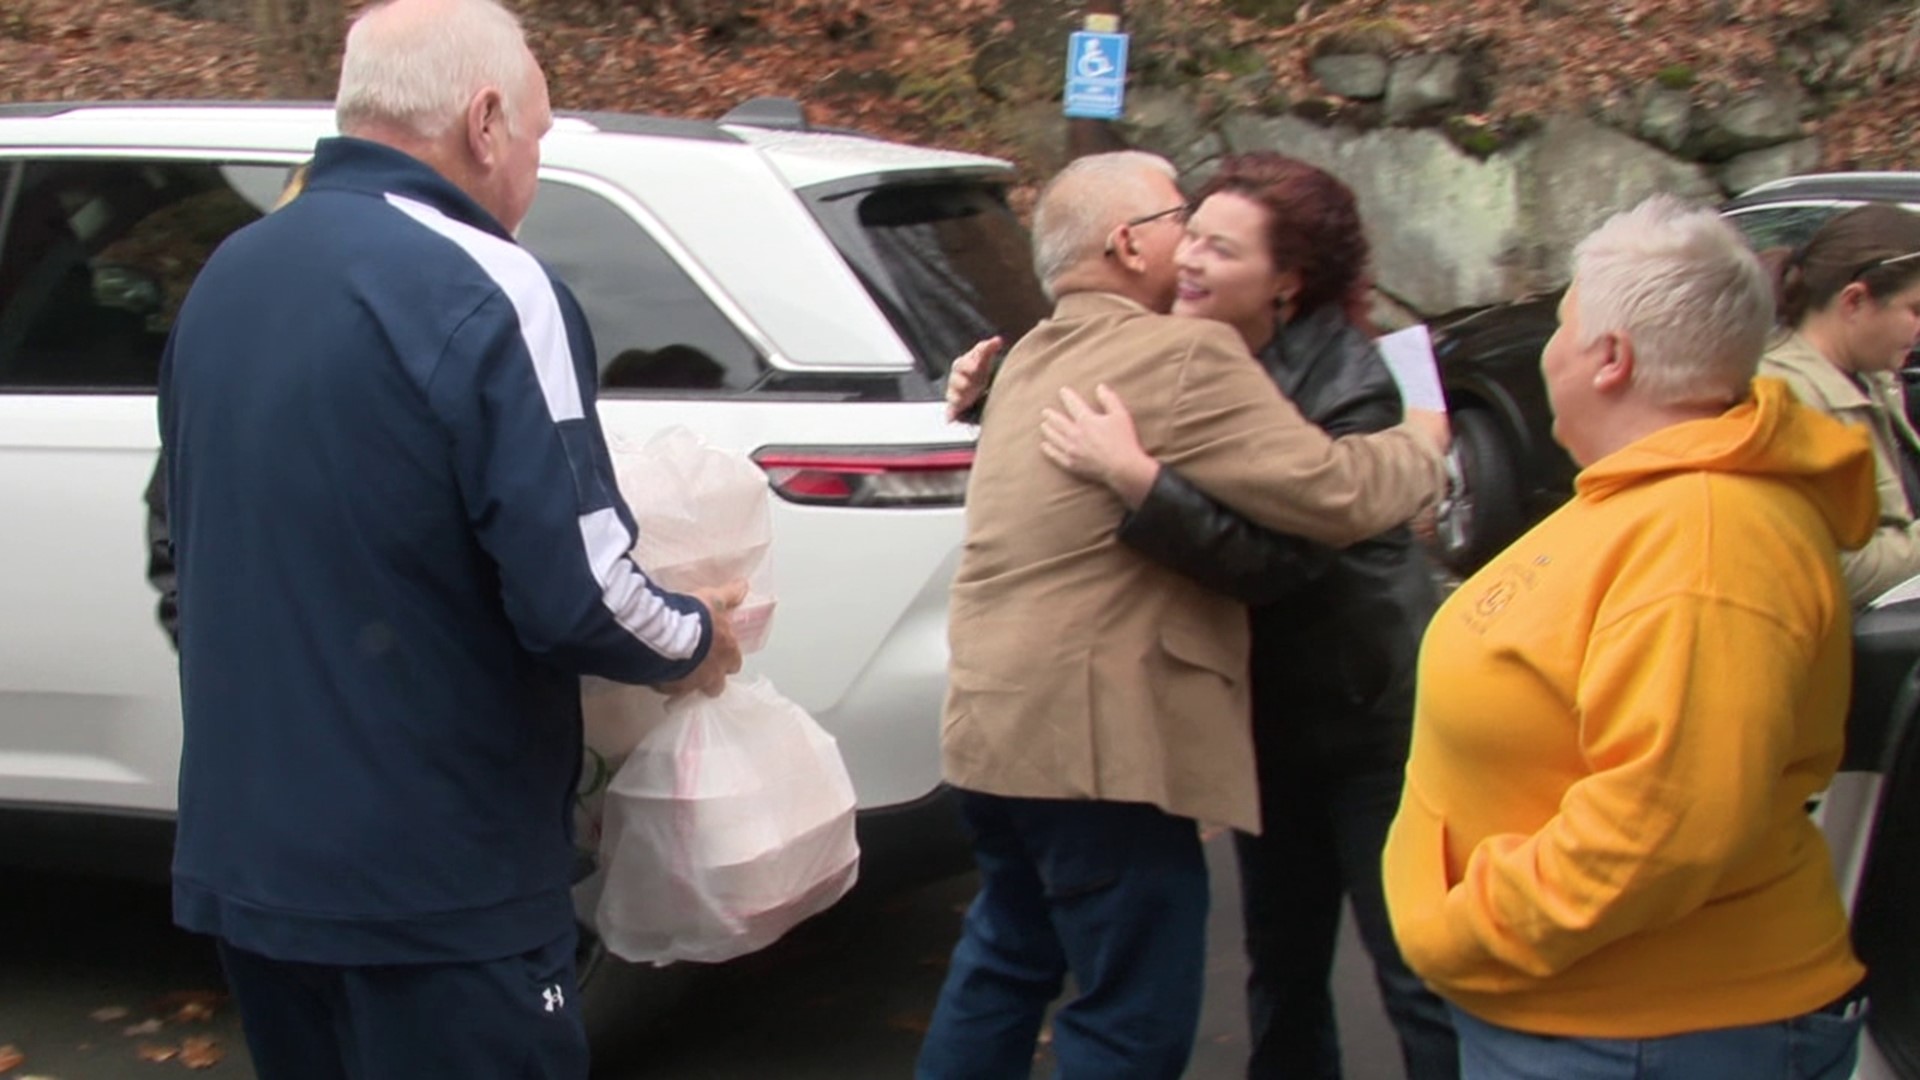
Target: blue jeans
[(1817, 1046), (1321, 840), (1116, 894)]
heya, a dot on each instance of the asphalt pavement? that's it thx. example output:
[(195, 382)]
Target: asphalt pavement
[(95, 984)]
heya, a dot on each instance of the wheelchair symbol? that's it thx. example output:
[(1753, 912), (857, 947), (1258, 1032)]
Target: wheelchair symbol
[(1093, 63)]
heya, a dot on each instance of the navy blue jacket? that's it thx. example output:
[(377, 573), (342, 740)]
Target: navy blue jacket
[(399, 545)]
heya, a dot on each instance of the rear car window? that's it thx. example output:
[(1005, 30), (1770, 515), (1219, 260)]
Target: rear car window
[(947, 261), (655, 329), (1786, 225)]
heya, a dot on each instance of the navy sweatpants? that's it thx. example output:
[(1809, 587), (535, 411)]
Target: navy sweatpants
[(516, 1017)]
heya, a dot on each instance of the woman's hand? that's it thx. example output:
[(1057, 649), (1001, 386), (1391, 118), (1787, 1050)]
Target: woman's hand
[(967, 378), (1099, 444)]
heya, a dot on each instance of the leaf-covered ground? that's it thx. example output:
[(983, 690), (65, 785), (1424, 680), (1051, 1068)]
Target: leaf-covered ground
[(896, 67)]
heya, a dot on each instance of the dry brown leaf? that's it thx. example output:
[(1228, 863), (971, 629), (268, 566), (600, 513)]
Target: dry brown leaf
[(156, 1052), (191, 1000), (144, 1027), (915, 1023), (193, 1012), (109, 1014), (200, 1052), (11, 1057)]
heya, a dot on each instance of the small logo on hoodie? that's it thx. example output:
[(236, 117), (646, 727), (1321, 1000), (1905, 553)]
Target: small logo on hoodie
[(555, 1000), (1509, 583)]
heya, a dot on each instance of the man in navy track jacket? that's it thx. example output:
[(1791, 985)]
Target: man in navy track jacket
[(399, 545)]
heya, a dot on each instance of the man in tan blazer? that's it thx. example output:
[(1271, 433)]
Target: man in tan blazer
[(1097, 706)]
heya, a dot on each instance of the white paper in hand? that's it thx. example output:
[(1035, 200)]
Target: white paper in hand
[(1409, 356)]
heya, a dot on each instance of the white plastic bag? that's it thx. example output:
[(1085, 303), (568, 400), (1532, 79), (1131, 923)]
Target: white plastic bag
[(728, 825), (704, 518), (616, 717)]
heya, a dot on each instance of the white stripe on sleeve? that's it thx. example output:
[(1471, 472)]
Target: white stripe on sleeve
[(674, 635), (523, 280)]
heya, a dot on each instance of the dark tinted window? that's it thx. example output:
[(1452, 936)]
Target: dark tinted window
[(98, 256), (948, 262), (1781, 226), (654, 328)]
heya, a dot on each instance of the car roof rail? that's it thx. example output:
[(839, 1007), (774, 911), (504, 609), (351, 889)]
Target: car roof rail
[(37, 109), (779, 113)]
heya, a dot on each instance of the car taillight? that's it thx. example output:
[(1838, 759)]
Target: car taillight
[(868, 477)]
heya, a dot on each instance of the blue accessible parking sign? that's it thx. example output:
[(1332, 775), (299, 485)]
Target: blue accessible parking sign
[(1096, 75)]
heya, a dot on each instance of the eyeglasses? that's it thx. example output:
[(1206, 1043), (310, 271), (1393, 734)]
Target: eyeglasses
[(1177, 214), (1878, 263)]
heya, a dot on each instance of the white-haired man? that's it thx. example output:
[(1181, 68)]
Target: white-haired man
[(1098, 706), (399, 544), (1657, 675)]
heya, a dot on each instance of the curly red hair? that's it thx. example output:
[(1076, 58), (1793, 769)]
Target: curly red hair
[(1313, 226)]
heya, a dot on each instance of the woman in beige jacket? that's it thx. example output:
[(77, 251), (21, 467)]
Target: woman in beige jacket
[(1850, 300)]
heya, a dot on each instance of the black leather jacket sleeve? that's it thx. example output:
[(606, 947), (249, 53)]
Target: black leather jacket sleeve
[(1181, 528), (160, 571)]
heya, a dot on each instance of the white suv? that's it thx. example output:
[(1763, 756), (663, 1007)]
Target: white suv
[(789, 293)]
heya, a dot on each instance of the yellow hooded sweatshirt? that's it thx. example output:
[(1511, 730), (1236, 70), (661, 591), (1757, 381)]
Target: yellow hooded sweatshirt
[(1620, 719)]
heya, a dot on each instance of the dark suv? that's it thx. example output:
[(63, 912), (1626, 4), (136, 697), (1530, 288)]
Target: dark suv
[(1513, 471)]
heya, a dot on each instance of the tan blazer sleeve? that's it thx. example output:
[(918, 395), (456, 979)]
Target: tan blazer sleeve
[(1241, 442)]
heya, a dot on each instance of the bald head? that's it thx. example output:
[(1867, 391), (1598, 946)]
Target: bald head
[(1086, 207), (1087, 200), (413, 66)]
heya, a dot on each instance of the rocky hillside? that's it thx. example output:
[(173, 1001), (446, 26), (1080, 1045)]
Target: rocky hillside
[(945, 71)]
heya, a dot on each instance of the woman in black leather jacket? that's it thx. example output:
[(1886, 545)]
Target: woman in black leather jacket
[(1275, 249)]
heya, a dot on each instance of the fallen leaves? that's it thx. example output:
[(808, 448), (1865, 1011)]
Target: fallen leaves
[(200, 1052), (179, 1007), (1540, 57), (194, 1051), (190, 1006), (176, 1008)]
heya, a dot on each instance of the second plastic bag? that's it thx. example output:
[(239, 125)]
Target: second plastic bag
[(728, 825)]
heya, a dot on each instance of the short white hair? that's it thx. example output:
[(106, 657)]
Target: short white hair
[(1086, 201), (1680, 284), (418, 63)]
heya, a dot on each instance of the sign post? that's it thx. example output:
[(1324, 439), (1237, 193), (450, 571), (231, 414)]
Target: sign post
[(1096, 81)]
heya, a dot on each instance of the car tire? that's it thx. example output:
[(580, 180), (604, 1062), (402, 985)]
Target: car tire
[(1484, 513)]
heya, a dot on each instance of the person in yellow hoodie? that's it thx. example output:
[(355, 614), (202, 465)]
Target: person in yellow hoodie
[(1602, 858)]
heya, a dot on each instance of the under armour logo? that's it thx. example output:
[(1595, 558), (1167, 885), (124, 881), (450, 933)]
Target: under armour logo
[(553, 997)]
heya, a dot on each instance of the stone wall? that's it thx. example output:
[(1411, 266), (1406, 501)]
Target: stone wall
[(1460, 213)]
